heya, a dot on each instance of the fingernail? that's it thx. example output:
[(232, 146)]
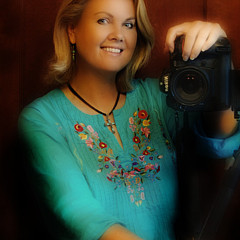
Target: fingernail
[(203, 50), (192, 58), (185, 58)]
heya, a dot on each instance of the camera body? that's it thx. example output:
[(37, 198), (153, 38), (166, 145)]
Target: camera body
[(204, 84)]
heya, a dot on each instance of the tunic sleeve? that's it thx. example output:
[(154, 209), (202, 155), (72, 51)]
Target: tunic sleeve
[(216, 147), (59, 179)]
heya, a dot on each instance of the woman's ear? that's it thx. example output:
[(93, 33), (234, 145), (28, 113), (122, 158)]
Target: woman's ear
[(71, 33)]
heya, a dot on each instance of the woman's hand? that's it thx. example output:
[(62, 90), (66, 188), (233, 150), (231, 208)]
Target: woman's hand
[(199, 36), (117, 232)]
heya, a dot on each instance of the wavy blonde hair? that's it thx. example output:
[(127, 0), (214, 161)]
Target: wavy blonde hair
[(62, 67)]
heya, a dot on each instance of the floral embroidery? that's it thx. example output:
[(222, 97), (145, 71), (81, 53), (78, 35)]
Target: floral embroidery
[(145, 160), (146, 123), (145, 131), (142, 114), (78, 127), (142, 164), (102, 145), (136, 139)]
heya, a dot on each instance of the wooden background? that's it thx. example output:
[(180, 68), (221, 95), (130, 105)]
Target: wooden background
[(26, 45)]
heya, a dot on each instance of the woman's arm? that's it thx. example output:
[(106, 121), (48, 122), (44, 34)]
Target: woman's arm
[(60, 183), (219, 124), (200, 36), (218, 133)]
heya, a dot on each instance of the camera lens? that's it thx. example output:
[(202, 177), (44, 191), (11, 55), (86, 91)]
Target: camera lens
[(190, 87)]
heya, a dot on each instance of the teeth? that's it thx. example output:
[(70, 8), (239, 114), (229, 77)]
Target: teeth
[(113, 50)]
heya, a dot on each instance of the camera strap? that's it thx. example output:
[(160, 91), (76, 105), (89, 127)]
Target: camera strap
[(189, 198)]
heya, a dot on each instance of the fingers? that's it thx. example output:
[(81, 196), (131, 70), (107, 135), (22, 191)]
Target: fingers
[(199, 36), (214, 34), (195, 38), (172, 33), (190, 30), (206, 36)]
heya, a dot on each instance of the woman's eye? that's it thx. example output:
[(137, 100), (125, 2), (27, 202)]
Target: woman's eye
[(129, 25), (102, 21)]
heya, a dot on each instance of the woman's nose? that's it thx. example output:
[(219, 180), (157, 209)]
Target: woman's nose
[(116, 34)]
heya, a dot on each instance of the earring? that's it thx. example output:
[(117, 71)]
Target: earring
[(73, 46)]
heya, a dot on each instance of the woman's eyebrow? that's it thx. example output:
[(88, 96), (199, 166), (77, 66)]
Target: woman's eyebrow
[(131, 19), (102, 12), (110, 15)]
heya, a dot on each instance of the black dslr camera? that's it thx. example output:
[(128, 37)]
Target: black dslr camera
[(204, 84)]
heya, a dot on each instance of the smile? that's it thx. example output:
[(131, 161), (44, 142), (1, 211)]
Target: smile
[(112, 50)]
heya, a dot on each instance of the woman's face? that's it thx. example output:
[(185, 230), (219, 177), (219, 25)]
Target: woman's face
[(105, 35)]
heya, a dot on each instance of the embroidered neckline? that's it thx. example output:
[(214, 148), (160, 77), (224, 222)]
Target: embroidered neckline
[(108, 121), (143, 163)]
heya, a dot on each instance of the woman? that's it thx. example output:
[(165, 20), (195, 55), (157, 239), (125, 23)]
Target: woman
[(100, 145)]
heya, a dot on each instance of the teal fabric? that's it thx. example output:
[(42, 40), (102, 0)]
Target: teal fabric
[(216, 148), (90, 182)]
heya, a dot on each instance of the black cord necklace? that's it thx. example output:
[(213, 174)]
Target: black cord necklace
[(109, 123)]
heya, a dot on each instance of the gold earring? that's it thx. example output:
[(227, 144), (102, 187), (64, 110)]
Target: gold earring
[(73, 52)]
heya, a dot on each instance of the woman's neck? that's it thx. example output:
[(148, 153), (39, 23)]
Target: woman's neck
[(98, 90)]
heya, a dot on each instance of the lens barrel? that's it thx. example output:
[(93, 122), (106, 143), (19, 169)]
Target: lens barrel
[(190, 87)]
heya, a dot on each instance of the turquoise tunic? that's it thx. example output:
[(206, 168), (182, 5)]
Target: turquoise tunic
[(88, 181)]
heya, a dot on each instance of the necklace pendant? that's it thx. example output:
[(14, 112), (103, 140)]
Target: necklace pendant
[(110, 124)]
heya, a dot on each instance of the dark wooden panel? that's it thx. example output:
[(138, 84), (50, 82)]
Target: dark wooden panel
[(164, 14), (24, 45), (227, 14), (37, 27), (9, 62), (9, 108)]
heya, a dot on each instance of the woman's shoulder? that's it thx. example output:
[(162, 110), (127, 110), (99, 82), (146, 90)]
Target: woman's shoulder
[(43, 107), (148, 87), (146, 82), (49, 97)]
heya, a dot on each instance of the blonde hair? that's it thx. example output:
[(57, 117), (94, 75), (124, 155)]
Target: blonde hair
[(62, 67)]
